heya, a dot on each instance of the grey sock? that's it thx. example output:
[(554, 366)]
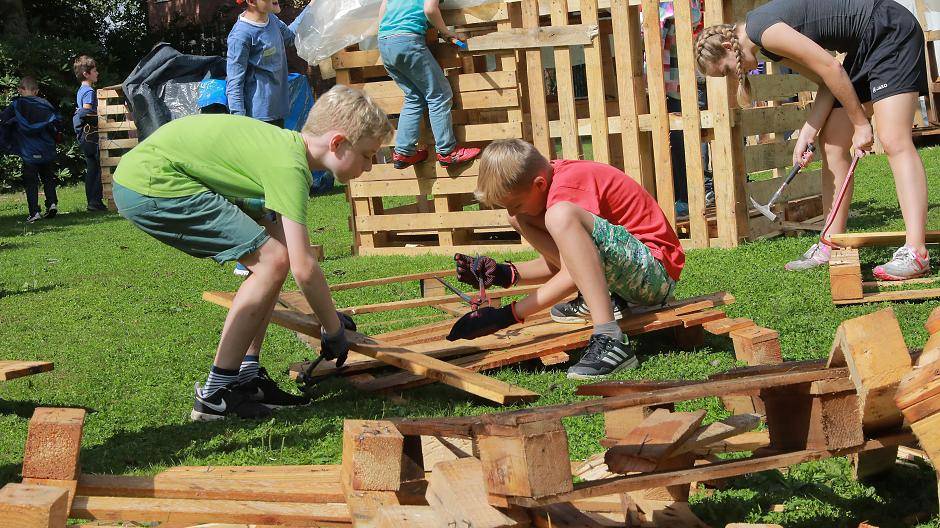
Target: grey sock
[(611, 330)]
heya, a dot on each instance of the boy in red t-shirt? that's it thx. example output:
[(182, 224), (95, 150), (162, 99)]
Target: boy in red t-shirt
[(597, 232)]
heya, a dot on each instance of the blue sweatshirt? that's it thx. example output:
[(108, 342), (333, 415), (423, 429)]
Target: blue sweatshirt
[(256, 69)]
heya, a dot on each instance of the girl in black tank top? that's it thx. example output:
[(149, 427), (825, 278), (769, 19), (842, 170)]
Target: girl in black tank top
[(883, 73)]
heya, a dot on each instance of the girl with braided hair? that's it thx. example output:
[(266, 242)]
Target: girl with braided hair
[(883, 74)]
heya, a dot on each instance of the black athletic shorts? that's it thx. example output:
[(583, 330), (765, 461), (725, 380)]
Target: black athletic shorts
[(890, 58)]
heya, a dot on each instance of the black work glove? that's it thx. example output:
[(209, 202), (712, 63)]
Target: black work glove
[(484, 321), (492, 272), (334, 347), (346, 321)]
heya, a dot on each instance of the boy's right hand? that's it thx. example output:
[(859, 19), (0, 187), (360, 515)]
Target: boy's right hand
[(334, 347), (492, 272)]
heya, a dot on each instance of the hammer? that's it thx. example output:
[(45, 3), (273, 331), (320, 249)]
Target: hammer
[(765, 209)]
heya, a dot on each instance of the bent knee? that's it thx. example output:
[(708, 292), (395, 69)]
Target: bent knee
[(562, 215)]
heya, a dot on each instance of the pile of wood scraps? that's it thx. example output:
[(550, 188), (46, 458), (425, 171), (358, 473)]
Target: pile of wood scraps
[(424, 356)]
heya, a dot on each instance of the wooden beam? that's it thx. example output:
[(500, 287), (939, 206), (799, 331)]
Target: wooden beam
[(375, 458), (463, 427), (494, 390), (891, 238), (32, 506), (457, 494), (655, 439), (541, 37), (53, 443), (530, 460), (17, 369), (712, 471)]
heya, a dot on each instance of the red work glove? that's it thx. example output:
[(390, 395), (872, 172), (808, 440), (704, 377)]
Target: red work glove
[(492, 272), (484, 321)]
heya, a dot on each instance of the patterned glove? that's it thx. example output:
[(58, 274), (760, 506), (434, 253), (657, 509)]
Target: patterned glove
[(503, 275), (484, 321)]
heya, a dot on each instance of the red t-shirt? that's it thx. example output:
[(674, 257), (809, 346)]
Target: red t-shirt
[(612, 195)]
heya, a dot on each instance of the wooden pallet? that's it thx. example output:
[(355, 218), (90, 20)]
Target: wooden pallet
[(845, 272), (117, 134)]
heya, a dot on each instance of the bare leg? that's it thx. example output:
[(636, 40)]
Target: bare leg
[(253, 302), (543, 268), (894, 116), (276, 231), (570, 227), (836, 139)]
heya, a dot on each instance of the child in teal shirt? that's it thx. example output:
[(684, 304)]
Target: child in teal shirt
[(410, 64)]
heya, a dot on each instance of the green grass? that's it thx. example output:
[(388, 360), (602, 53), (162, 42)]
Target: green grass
[(121, 316)]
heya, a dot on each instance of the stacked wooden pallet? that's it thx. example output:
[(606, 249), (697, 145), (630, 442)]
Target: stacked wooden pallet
[(426, 357), (845, 271), (117, 134)]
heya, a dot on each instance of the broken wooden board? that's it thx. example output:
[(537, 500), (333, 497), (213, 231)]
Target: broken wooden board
[(477, 384), (17, 369), (655, 439), (457, 493)]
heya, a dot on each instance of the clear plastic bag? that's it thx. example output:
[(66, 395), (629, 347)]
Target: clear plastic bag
[(330, 26)]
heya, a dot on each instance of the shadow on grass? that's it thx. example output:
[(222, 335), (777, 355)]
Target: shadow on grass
[(15, 225), (4, 292), (868, 215)]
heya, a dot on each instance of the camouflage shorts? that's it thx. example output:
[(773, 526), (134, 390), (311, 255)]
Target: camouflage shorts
[(631, 270)]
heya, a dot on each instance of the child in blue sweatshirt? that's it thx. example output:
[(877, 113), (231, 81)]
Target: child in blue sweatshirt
[(35, 128), (410, 64), (256, 69)]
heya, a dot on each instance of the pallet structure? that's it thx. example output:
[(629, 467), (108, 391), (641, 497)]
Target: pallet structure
[(512, 469), (504, 89), (117, 134), (845, 271), (424, 356)]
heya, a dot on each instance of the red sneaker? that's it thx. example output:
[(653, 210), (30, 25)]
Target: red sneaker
[(402, 161), (458, 155)]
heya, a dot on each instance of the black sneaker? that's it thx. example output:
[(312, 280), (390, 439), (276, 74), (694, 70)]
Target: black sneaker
[(231, 400), (265, 391), (576, 311), (603, 356)]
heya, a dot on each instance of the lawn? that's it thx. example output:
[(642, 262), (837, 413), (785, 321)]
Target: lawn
[(122, 318)]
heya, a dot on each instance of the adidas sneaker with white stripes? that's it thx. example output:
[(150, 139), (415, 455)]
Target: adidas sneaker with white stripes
[(603, 356)]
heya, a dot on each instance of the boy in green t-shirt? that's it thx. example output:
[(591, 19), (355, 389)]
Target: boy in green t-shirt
[(203, 184)]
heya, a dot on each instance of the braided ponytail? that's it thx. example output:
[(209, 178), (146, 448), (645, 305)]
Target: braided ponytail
[(709, 49)]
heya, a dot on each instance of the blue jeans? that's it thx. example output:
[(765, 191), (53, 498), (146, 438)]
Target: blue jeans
[(410, 64)]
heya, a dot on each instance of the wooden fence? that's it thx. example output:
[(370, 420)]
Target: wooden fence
[(504, 87), (117, 134)]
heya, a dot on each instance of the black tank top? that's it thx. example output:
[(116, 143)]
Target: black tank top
[(836, 25)]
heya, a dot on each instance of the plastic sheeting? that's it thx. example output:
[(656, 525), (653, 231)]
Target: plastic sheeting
[(328, 27), (181, 99)]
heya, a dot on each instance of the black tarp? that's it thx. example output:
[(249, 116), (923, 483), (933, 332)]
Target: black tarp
[(146, 87)]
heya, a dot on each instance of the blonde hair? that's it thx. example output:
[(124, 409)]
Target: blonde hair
[(505, 166), (83, 64), (350, 111), (709, 49)]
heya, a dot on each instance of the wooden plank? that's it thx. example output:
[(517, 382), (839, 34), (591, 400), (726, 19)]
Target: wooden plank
[(715, 432), (845, 275), (882, 239), (53, 443), (699, 390), (547, 36), (535, 84), (494, 390), (711, 471), (375, 457), (457, 494), (762, 120), (892, 296), (409, 517), (779, 86), (568, 516), (33, 506), (433, 222), (692, 134), (488, 99), (756, 345), (392, 280), (632, 101), (470, 248), (308, 484), (476, 15), (597, 98), (874, 350), (17, 369), (294, 297), (567, 114), (920, 384), (202, 511), (652, 441), (727, 325), (766, 156)]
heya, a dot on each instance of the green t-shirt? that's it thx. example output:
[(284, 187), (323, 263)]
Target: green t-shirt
[(237, 157), (403, 16)]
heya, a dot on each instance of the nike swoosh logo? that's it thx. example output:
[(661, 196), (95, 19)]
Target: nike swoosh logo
[(216, 408)]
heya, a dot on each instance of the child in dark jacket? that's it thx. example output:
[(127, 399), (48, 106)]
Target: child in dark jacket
[(34, 127)]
